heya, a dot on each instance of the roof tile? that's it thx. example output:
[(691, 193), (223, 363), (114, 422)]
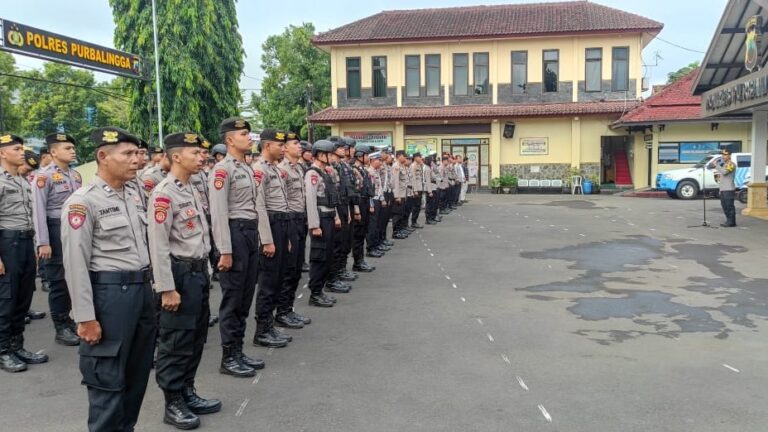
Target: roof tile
[(673, 103)]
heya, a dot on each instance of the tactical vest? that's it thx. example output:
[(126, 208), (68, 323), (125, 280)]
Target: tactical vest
[(331, 198), (348, 181), (368, 190)]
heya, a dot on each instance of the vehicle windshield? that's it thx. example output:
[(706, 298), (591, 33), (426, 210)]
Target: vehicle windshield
[(704, 161)]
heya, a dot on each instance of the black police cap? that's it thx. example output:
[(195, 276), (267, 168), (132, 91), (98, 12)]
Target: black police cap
[(205, 144), (56, 138), (232, 124), (10, 139), (291, 136), (400, 153), (270, 134), (182, 139), (112, 135), (32, 159), (417, 154), (143, 144)]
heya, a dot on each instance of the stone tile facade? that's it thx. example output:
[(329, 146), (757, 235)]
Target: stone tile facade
[(472, 99), (534, 94), (606, 93), (548, 171), (423, 99), (366, 99)]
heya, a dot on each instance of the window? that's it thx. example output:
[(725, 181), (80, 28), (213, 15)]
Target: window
[(620, 78), (412, 75), (353, 77), (744, 161), (480, 64), (594, 70), (551, 70), (519, 71), (669, 153), (693, 152), (433, 74), (461, 74), (379, 76)]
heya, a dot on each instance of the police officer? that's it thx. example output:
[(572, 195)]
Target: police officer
[(323, 221), (374, 245), (53, 185), (219, 152), (400, 191), (143, 160), (106, 262), (305, 162), (430, 180), (297, 234), (274, 233), (179, 243), (726, 170), (233, 193), (366, 207), (443, 185), (419, 189), (386, 206), (153, 175), (17, 257), (350, 183), (337, 281)]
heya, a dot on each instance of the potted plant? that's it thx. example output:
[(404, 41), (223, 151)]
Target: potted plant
[(495, 185), (508, 183), (595, 183)]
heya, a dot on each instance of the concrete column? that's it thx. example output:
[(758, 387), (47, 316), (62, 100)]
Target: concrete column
[(575, 142), (756, 205), (399, 137), (494, 148)]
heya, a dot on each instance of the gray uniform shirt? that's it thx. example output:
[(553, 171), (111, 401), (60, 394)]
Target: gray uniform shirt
[(375, 176), (315, 187), (15, 202), (443, 181), (272, 197), (200, 183), (178, 228), (151, 177), (233, 190), (399, 181), (52, 187), (429, 186), (727, 181), (417, 174), (294, 183), (101, 230)]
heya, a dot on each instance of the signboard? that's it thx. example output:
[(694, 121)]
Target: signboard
[(738, 95), (691, 152), (425, 146), (753, 31), (376, 139), (534, 146), (29, 41)]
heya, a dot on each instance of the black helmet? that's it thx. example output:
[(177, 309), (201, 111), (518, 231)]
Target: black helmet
[(362, 150), (323, 146), (219, 149), (305, 146), (350, 142)]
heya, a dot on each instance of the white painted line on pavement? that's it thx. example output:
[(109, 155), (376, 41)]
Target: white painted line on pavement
[(506, 359), (582, 235), (545, 413), (242, 407), (490, 337), (522, 383), (652, 229), (447, 277), (731, 368), (300, 295), (270, 351), (676, 235), (469, 220), (673, 266), (463, 299), (482, 227), (256, 380), (565, 229), (454, 285), (431, 254), (479, 321)]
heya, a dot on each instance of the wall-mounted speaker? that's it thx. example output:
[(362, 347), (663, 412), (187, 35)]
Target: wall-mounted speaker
[(509, 130)]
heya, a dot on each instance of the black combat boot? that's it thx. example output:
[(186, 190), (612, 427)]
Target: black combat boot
[(280, 335), (35, 315), (256, 364), (231, 364), (345, 276), (299, 317), (389, 243), (305, 268), (284, 320), (177, 413), (266, 338), (320, 300), (8, 360), (338, 287), (64, 333), (198, 405), (28, 357), (363, 266)]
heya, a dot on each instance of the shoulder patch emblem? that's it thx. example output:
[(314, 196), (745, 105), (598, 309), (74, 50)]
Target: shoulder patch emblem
[(161, 205), (218, 178), (258, 175), (314, 179), (149, 185), (41, 181), (76, 215)]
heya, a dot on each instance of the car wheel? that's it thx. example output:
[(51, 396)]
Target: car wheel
[(687, 190), (742, 196)]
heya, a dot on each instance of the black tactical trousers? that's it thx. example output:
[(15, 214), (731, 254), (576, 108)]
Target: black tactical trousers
[(272, 269), (455, 193), (386, 215), (399, 216), (238, 285), (342, 241), (116, 370), (297, 234), (729, 208), (416, 207), (360, 230), (443, 198), (213, 255), (182, 334), (321, 254), (58, 296), (17, 251), (432, 204), (373, 238)]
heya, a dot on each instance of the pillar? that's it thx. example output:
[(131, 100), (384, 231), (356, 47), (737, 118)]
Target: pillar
[(756, 204), (494, 149), (575, 142)]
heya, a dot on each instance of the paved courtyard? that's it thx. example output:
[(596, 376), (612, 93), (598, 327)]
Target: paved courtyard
[(517, 313)]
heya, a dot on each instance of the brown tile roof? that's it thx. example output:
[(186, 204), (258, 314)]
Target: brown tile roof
[(674, 102), (502, 21), (465, 112)]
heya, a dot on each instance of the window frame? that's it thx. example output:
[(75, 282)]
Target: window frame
[(487, 87), (524, 88), (587, 62), (614, 87), (357, 69), (544, 62), (465, 66), (375, 69), (418, 74), (427, 68)]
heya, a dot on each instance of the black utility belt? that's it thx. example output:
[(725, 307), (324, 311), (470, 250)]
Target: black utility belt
[(244, 223), (280, 216), (17, 234), (190, 264), (121, 277)]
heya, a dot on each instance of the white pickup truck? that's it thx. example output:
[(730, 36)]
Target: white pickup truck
[(687, 183)]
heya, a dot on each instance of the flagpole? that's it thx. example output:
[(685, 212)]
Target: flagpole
[(157, 75)]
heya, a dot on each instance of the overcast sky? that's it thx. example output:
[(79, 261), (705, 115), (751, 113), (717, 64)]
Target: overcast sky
[(688, 24)]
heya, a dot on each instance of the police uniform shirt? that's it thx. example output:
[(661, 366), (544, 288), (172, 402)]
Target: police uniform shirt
[(384, 174), (151, 177), (726, 170), (233, 190), (177, 228), (15, 202), (375, 176), (443, 181), (429, 185), (52, 187), (315, 188), (417, 174), (101, 230), (272, 197), (294, 183), (399, 181), (200, 182)]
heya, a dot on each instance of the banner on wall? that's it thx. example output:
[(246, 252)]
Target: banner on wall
[(534, 146), (375, 139), (425, 146), (691, 152)]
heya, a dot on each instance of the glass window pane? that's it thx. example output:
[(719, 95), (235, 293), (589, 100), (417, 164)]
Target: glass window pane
[(550, 76), (620, 73), (519, 57), (433, 74), (552, 55), (379, 76), (412, 76), (353, 84), (481, 73), (669, 153), (593, 79), (460, 74), (621, 53), (594, 53), (519, 71)]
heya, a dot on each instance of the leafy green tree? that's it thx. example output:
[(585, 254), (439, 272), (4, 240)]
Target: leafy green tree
[(10, 118), (676, 75), (293, 69), (201, 59)]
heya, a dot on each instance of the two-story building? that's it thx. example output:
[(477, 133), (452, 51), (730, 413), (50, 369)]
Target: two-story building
[(529, 89)]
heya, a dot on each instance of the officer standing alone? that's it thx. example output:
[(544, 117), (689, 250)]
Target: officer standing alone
[(726, 170)]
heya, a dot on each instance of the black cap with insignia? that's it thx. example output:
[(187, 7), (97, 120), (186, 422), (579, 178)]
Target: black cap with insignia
[(112, 135), (182, 139), (56, 138), (143, 144), (205, 144), (10, 139), (234, 124), (270, 134), (292, 136), (400, 153), (32, 159)]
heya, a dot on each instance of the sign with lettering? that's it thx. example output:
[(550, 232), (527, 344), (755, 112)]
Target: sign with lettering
[(25, 40), (425, 146), (738, 95), (534, 146), (376, 139)]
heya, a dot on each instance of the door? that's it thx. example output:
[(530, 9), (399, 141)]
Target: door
[(475, 152)]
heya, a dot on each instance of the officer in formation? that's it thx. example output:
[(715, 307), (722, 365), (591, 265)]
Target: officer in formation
[(365, 195)]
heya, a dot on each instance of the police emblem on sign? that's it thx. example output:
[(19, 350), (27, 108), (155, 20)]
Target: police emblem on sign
[(752, 42)]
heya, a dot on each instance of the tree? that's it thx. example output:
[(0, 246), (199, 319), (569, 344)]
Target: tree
[(293, 69), (201, 60), (674, 76), (9, 114)]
